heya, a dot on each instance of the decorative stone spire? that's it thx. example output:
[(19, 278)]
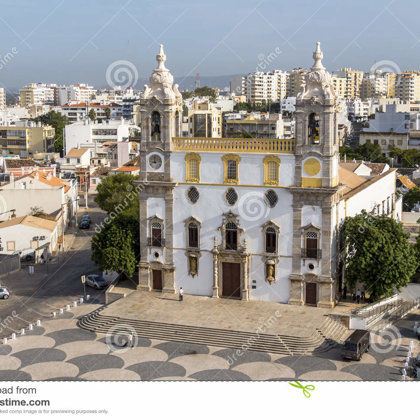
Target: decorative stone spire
[(317, 84), (318, 56), (161, 58), (161, 82)]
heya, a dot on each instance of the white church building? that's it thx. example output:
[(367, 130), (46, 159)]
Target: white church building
[(244, 218)]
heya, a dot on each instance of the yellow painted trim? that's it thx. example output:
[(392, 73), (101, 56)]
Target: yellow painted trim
[(237, 145), (228, 185), (189, 158), (335, 181), (266, 161), (311, 182), (312, 166), (225, 160)]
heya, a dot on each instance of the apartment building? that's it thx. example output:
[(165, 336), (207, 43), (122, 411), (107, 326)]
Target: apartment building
[(2, 98), (295, 81), (256, 125), (204, 120), (93, 135), (37, 94), (78, 93), (407, 86), (26, 139), (346, 82), (79, 111), (374, 86), (387, 129)]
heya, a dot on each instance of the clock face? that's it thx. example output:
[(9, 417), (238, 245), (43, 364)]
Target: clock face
[(155, 161)]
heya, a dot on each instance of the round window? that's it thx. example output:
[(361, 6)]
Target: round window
[(271, 197), (193, 195), (231, 196)]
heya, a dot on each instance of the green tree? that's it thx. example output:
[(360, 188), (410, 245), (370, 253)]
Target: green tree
[(107, 111), (116, 246), (92, 114), (184, 110), (371, 153), (58, 122), (411, 158), (379, 255), (117, 194), (411, 198)]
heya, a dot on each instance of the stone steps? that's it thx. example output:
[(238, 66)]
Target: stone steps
[(321, 340)]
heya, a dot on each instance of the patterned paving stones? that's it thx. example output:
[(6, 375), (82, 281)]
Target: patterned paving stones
[(61, 351), (154, 370)]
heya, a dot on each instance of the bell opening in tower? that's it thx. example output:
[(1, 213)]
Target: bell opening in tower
[(313, 128), (155, 132)]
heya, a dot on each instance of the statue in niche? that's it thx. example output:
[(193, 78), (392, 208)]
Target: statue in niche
[(193, 265), (270, 271), (155, 126)]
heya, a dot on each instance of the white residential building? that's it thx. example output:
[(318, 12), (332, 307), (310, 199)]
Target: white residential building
[(266, 87), (45, 191), (79, 111), (29, 233), (91, 135)]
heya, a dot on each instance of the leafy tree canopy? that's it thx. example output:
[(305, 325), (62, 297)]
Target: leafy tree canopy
[(92, 114), (116, 246), (58, 122), (411, 198), (201, 91), (117, 194), (369, 152), (379, 255)]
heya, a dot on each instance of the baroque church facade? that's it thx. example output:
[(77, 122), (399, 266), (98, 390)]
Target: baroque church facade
[(245, 218)]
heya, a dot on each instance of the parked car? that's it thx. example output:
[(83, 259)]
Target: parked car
[(26, 254), (356, 345), (86, 217), (96, 281), (84, 224), (4, 293)]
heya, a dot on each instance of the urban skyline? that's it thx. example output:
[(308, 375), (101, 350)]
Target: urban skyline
[(232, 43)]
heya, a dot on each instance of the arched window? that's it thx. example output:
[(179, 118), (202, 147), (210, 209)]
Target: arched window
[(231, 236), (313, 128), (156, 234), (155, 129), (311, 245), (192, 163), (231, 172), (193, 235), (270, 240), (271, 170)]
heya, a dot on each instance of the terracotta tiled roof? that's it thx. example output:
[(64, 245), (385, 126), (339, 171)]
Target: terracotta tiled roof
[(32, 221), (92, 105), (377, 168), (128, 169), (349, 179), (76, 153), (350, 166), (50, 180), (20, 163), (406, 181)]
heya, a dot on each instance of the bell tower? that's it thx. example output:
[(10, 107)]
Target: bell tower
[(161, 120), (315, 190), (317, 144)]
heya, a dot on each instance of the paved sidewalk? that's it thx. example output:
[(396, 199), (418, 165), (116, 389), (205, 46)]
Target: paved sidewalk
[(228, 314)]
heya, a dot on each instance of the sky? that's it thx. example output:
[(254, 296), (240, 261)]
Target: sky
[(70, 41)]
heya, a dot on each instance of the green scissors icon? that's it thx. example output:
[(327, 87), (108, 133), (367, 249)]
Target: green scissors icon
[(305, 389)]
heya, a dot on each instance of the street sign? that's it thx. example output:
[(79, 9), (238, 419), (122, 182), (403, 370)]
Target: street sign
[(83, 279)]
